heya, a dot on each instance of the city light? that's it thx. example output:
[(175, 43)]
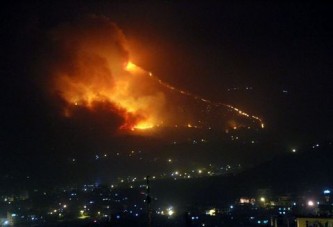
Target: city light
[(327, 192), (211, 212), (130, 148), (170, 211)]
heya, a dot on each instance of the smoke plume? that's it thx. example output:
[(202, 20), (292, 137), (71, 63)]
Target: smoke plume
[(89, 67)]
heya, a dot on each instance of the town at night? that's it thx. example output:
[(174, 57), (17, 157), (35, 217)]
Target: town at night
[(166, 113)]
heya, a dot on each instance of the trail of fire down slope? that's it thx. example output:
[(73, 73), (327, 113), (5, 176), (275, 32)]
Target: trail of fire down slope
[(91, 67), (132, 66)]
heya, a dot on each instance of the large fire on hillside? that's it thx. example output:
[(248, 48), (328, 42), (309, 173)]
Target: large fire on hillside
[(93, 67)]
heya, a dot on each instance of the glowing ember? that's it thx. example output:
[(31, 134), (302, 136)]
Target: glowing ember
[(143, 125), (131, 67)]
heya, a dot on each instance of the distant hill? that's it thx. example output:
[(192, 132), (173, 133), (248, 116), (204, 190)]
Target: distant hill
[(294, 171), (311, 169)]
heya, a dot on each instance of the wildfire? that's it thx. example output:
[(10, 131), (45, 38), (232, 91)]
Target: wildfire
[(143, 125), (94, 68), (131, 67), (137, 110)]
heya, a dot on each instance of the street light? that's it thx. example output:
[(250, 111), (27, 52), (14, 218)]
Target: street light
[(310, 203)]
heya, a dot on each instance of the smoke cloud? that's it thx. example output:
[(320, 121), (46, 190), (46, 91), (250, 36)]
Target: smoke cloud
[(89, 72), (88, 67)]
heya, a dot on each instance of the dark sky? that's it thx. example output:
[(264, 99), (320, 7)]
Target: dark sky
[(204, 48), (271, 46)]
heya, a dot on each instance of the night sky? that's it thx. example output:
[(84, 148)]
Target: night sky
[(283, 50)]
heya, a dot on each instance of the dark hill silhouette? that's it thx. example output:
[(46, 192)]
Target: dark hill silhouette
[(294, 173)]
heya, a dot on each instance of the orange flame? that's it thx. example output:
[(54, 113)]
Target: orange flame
[(97, 70), (131, 67), (93, 68)]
